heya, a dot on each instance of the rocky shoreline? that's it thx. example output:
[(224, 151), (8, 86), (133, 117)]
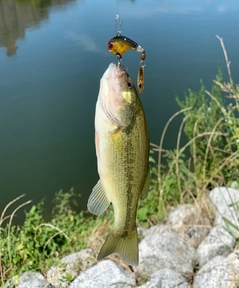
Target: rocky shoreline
[(189, 250)]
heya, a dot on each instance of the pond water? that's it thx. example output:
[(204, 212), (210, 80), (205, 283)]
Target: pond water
[(52, 56)]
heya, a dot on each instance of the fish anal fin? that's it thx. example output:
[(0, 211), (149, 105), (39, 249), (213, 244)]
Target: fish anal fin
[(145, 190), (98, 201), (126, 247)]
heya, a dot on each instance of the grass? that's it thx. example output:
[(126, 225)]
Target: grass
[(37, 245), (211, 125)]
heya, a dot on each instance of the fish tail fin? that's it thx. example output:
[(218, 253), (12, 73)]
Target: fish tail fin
[(126, 247)]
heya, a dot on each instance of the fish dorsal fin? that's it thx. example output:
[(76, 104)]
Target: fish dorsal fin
[(98, 201), (146, 187)]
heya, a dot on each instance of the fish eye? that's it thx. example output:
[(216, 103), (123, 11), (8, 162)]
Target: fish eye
[(110, 45), (130, 85)]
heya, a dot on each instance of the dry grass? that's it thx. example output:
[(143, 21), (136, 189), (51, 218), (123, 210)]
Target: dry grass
[(192, 179), (4, 270)]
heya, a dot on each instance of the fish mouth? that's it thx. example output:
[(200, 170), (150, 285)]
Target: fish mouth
[(115, 78), (118, 70)]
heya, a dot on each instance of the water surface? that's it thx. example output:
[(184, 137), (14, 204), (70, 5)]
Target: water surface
[(52, 56)]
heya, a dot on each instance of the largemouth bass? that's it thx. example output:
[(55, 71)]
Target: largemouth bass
[(122, 149)]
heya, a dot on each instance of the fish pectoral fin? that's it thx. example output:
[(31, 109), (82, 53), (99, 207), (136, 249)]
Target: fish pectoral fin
[(126, 247), (145, 190), (98, 201)]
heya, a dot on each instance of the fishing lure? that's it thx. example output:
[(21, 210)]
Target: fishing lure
[(140, 78), (120, 44)]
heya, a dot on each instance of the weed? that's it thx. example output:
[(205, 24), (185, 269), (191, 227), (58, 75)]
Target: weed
[(68, 278), (36, 245)]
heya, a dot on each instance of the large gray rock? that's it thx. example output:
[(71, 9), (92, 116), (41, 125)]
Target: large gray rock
[(73, 264), (220, 272), (183, 216), (27, 280), (165, 250), (190, 220), (197, 234), (105, 274), (166, 278), (225, 202), (217, 242), (157, 229)]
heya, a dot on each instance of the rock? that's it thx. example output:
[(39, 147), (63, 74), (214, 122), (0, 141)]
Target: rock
[(184, 216), (73, 264), (166, 278), (197, 234), (207, 272), (181, 215), (165, 250), (28, 279), (220, 272), (225, 201), (105, 274), (82, 259), (157, 229), (217, 242), (234, 185), (141, 231)]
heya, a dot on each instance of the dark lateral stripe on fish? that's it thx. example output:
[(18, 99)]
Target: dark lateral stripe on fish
[(129, 188), (124, 38), (129, 158)]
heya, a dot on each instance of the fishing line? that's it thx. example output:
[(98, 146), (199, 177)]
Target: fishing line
[(118, 23), (117, 4), (119, 44)]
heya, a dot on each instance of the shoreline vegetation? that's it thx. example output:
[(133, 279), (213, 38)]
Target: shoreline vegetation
[(211, 124)]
